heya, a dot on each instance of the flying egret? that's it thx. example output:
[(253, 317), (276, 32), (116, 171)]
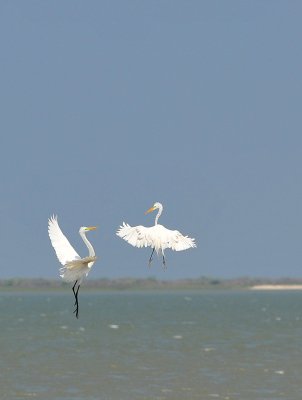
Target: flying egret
[(157, 237), (74, 267)]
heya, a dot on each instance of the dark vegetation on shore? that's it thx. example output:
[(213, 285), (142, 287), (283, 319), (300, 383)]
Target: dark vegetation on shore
[(150, 283)]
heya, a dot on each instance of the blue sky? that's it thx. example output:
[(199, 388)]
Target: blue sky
[(109, 106)]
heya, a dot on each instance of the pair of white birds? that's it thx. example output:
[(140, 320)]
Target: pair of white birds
[(76, 268)]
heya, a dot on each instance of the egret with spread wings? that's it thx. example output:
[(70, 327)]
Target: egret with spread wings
[(157, 237), (75, 268)]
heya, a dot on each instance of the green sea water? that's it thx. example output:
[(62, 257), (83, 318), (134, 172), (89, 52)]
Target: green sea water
[(128, 346)]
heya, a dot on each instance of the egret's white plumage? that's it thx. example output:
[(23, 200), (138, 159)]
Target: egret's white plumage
[(75, 268), (157, 237)]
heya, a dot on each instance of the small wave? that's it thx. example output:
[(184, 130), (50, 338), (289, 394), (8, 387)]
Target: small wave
[(113, 326), (209, 349)]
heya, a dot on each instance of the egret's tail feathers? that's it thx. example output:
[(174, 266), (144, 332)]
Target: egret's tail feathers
[(72, 273)]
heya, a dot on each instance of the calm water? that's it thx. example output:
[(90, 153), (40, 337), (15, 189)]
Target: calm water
[(209, 345)]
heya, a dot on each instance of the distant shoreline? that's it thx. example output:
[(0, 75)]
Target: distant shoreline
[(151, 283)]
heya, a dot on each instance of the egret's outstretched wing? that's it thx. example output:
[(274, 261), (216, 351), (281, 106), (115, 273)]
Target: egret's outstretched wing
[(138, 236), (177, 241), (156, 236), (64, 251)]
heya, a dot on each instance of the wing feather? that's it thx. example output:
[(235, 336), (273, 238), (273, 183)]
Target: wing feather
[(178, 242), (64, 251), (137, 236)]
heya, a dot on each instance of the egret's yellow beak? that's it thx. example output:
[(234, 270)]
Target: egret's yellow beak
[(150, 210), (91, 228)]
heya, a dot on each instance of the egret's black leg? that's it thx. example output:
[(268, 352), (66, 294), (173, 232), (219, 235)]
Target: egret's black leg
[(74, 293), (76, 311), (164, 262), (76, 303), (150, 259)]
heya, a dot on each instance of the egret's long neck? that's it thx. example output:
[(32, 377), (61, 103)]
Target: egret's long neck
[(88, 244), (160, 210)]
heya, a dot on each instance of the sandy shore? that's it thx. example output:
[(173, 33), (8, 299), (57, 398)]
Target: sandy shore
[(276, 287)]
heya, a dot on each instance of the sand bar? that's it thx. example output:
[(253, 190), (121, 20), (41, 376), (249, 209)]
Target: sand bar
[(276, 287)]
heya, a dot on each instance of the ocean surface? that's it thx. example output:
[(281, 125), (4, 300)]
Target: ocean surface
[(127, 346)]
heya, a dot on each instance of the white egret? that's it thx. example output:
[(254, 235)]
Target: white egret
[(157, 237), (74, 267)]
